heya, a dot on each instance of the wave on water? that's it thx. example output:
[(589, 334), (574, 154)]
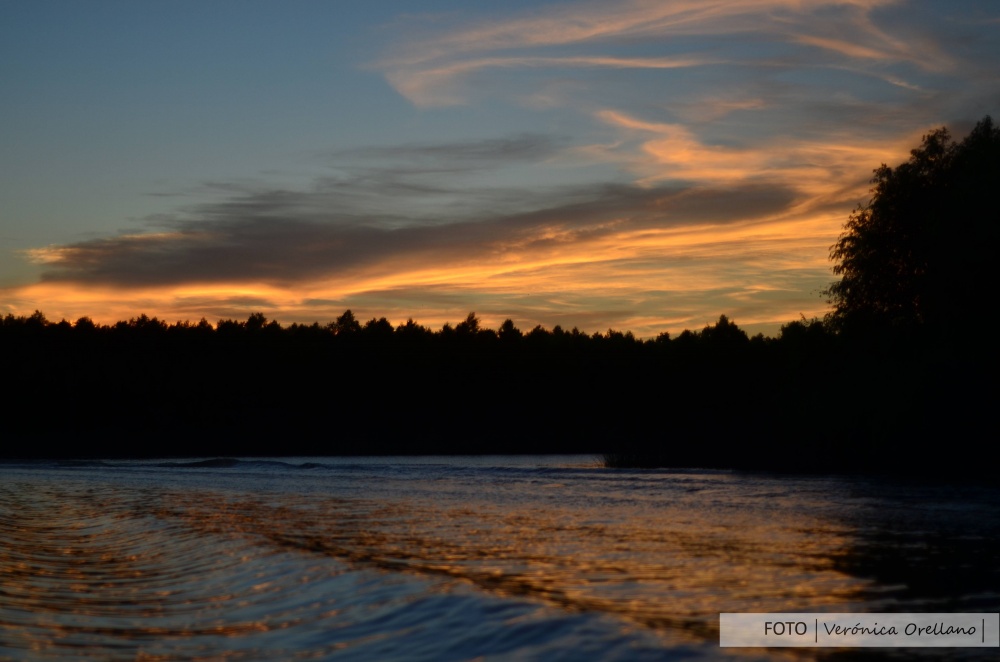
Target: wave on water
[(338, 463), (215, 463), (112, 573), (437, 558)]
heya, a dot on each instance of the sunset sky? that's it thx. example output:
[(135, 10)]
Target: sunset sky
[(642, 166)]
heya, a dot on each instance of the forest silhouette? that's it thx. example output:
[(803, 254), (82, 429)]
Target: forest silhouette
[(809, 400), (896, 379)]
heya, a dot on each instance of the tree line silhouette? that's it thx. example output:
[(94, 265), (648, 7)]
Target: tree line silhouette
[(810, 399), (898, 378)]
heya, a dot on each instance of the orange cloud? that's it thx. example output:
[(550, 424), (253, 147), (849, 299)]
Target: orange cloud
[(634, 272), (819, 169)]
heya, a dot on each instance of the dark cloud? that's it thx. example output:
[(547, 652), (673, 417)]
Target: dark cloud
[(526, 147), (401, 211), (439, 177), (286, 237)]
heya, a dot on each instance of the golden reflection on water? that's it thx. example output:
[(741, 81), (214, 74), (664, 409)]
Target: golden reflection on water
[(73, 575), (82, 565), (660, 567)]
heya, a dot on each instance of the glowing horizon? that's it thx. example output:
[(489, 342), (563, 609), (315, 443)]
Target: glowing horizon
[(641, 166)]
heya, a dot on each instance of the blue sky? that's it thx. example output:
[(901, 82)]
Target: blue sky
[(635, 165)]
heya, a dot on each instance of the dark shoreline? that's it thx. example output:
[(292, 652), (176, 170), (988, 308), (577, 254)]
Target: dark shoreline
[(809, 401), (958, 480)]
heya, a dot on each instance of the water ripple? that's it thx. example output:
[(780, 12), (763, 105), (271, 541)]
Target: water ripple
[(120, 574), (316, 558)]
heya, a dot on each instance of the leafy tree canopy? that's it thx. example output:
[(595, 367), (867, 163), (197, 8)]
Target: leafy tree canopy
[(921, 252)]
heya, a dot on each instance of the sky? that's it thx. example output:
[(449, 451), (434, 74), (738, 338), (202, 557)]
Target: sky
[(635, 165)]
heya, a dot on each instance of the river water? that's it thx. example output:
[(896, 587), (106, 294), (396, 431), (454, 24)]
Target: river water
[(460, 558)]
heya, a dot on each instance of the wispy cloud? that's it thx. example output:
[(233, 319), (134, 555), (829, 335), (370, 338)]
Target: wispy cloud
[(577, 23), (434, 71), (715, 92), (816, 168), (490, 152), (435, 85)]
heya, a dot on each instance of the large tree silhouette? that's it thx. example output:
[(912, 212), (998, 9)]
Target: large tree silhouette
[(921, 252)]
